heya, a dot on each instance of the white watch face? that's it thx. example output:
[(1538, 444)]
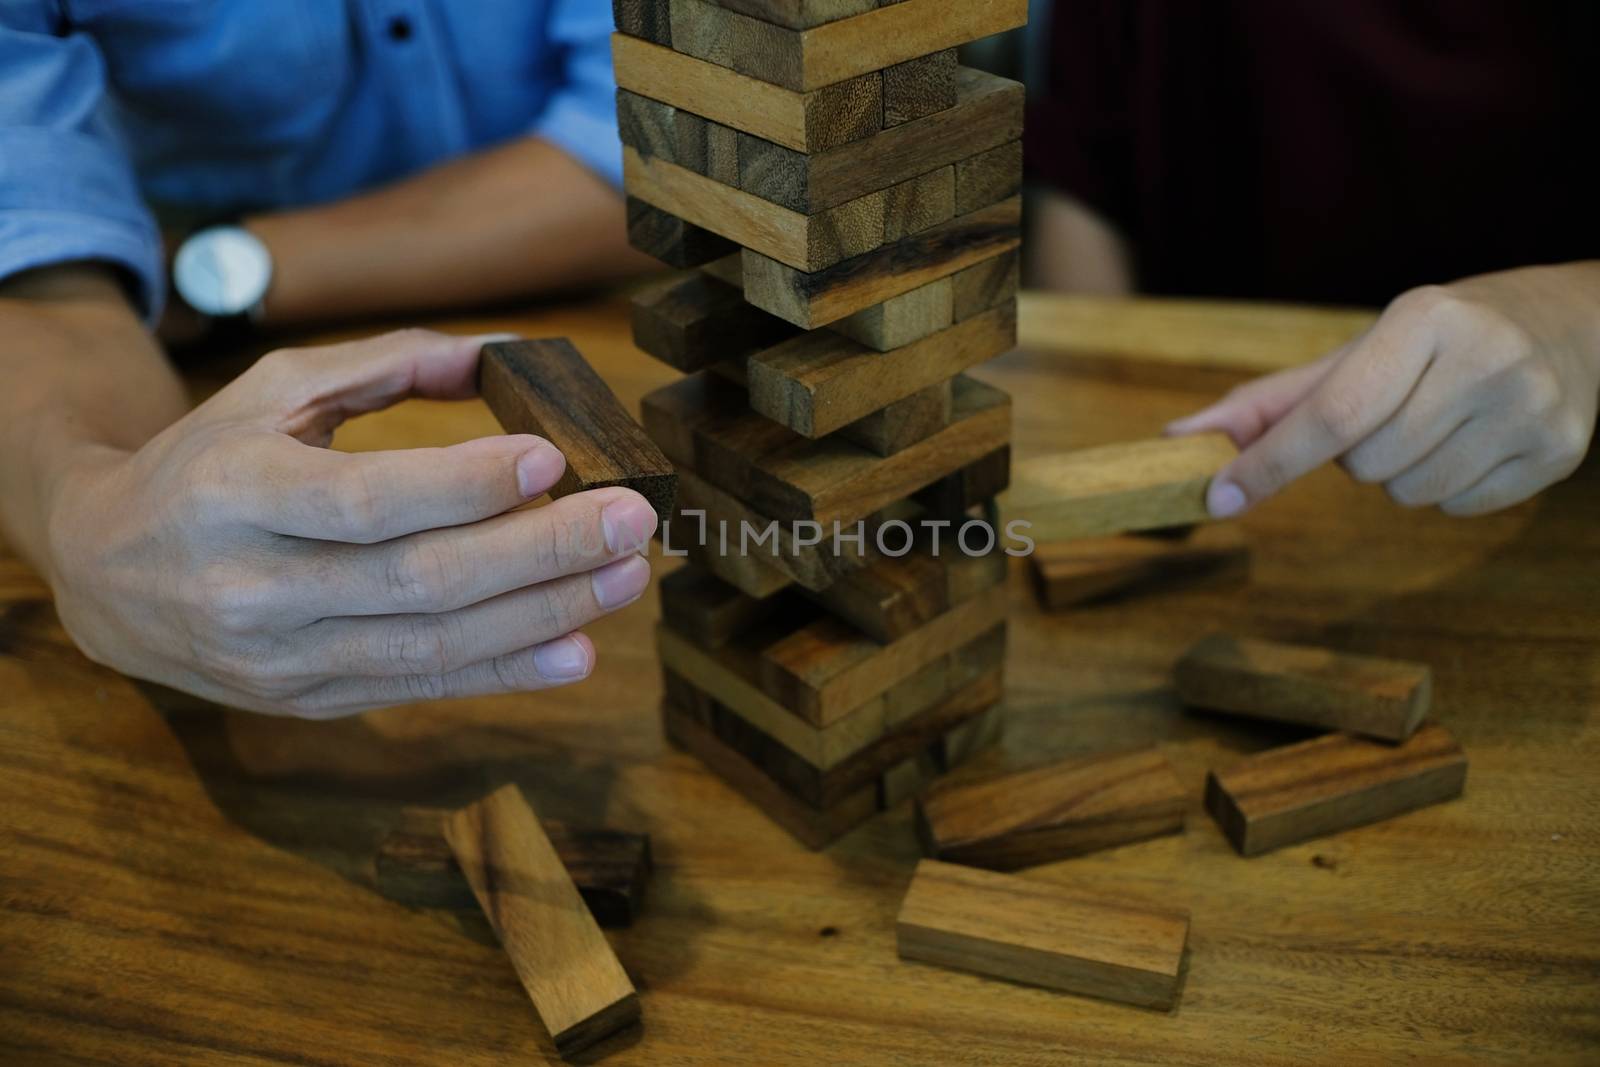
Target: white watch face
[(222, 271)]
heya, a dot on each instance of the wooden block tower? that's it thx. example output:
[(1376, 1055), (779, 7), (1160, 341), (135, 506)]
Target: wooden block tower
[(844, 199)]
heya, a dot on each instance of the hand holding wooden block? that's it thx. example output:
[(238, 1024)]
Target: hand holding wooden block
[(1050, 812), (1042, 934), (577, 986), (1287, 795)]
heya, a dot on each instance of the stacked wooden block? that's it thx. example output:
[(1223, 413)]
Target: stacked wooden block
[(844, 199)]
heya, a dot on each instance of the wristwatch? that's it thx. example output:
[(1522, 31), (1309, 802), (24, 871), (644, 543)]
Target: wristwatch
[(223, 272)]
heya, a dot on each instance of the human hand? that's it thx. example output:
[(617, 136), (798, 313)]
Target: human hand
[(1472, 396), (237, 557)]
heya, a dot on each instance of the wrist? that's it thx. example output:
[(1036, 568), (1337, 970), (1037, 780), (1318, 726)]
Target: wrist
[(53, 461)]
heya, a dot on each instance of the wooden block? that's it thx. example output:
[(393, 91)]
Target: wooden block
[(825, 670), (978, 657), (918, 204), (805, 122), (1139, 485), (545, 387), (911, 696), (908, 778), (987, 113), (812, 827), (1331, 783), (816, 298), (649, 19), (821, 381), (702, 30), (1042, 934), (919, 87), (784, 476), (982, 286), (982, 179), (690, 321), (1050, 812), (672, 240), (825, 788), (970, 739), (576, 984), (415, 867), (805, 242), (954, 495), (649, 126), (902, 423), (1383, 698), (805, 60), (799, 14), (1069, 573), (901, 320), (707, 610)]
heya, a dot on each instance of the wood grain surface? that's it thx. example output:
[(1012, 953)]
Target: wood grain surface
[(919, 87), (799, 14), (1071, 573), (188, 884), (690, 321), (672, 240), (902, 319)]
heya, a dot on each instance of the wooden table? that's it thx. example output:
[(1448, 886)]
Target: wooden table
[(184, 884)]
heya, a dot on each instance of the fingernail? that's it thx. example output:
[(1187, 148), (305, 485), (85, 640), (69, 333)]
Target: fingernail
[(1224, 500), (620, 582), (538, 468), (561, 660), (628, 524)]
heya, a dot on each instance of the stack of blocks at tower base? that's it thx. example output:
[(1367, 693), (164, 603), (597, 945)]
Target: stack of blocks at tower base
[(843, 198)]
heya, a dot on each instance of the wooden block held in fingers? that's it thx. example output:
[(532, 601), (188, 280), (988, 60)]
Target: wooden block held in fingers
[(649, 19), (805, 242), (1139, 485), (577, 986), (1383, 698), (902, 423), (918, 204), (1331, 783), (1050, 812), (691, 321), (818, 382), (987, 113), (815, 828), (707, 610), (805, 122), (545, 387), (982, 179), (672, 240), (819, 297), (415, 867), (985, 285), (1069, 573), (919, 87), (1042, 934), (903, 319)]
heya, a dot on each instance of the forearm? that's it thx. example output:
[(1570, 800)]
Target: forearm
[(82, 376), (518, 219)]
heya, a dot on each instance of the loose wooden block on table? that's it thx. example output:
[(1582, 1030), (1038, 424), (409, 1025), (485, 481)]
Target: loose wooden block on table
[(577, 986), (804, 242), (672, 240), (817, 298), (414, 866), (805, 60), (545, 387), (820, 381), (690, 321), (805, 122), (1331, 783), (987, 113), (1050, 812), (1139, 485), (1069, 573), (919, 87), (900, 320), (1381, 698), (815, 828), (984, 285), (989, 176), (1042, 934), (904, 422), (785, 476)]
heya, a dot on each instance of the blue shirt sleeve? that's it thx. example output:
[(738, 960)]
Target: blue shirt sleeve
[(67, 187), (581, 116)]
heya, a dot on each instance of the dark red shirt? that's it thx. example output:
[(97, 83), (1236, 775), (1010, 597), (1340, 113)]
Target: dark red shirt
[(1326, 150)]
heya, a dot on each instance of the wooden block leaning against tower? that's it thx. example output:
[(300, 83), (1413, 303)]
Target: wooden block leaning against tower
[(843, 200)]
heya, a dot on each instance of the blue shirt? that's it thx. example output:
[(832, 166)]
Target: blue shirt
[(226, 106)]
